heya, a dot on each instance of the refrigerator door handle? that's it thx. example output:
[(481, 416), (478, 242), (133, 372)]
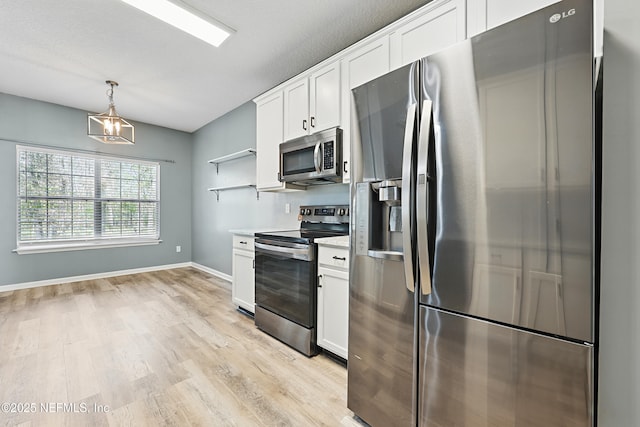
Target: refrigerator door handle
[(406, 195), (422, 197)]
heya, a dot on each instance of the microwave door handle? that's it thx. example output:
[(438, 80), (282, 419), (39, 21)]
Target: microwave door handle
[(422, 196), (407, 161), (317, 160)]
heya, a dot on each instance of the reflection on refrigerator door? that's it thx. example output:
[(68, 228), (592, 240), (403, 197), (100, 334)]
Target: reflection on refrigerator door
[(380, 344), (475, 373)]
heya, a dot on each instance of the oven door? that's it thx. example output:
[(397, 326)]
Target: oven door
[(286, 280)]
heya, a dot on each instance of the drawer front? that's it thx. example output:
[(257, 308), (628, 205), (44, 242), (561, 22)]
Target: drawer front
[(333, 257), (243, 242)]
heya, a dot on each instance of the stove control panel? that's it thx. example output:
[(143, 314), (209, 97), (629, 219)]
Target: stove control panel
[(324, 214)]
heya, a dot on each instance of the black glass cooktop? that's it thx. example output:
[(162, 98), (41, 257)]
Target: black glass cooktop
[(315, 222), (300, 235)]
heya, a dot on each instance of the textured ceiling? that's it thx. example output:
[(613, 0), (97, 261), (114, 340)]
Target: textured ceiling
[(62, 52)]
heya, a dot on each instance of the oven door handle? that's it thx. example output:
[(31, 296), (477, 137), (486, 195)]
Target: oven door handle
[(303, 254)]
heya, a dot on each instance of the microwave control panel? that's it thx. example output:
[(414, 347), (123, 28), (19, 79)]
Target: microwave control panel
[(328, 161)]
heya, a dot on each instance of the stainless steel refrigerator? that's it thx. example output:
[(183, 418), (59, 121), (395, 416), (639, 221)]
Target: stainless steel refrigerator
[(474, 235)]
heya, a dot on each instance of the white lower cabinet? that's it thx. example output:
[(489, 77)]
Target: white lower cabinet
[(333, 299), (243, 284)]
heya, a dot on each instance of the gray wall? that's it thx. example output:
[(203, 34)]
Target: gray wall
[(619, 376), (239, 208), (38, 122)]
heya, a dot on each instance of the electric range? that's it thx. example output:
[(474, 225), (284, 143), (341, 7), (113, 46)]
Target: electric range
[(286, 275)]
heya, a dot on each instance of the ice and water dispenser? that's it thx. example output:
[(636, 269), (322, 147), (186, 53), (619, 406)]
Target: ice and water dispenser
[(378, 219)]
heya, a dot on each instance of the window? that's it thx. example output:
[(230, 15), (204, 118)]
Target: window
[(68, 200)]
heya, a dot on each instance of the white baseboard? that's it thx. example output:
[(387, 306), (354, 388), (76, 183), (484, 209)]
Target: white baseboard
[(211, 271), (106, 274)]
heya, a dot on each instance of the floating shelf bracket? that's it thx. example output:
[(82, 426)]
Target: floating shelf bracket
[(237, 155), (217, 190)]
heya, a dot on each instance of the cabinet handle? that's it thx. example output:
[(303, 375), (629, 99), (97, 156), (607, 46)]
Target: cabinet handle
[(242, 242), (344, 166), (304, 124), (341, 258), (254, 264), (319, 279), (312, 120)]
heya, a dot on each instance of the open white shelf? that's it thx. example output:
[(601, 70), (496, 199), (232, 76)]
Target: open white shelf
[(217, 190), (237, 155)]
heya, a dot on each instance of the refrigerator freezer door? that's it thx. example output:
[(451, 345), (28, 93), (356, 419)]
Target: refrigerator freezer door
[(513, 114), (381, 371), (475, 373), (381, 387)]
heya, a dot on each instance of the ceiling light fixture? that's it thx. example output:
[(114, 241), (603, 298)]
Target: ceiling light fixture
[(109, 127), (185, 18)]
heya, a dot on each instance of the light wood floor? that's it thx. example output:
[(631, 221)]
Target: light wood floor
[(159, 349)]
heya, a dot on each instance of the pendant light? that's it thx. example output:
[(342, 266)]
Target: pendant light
[(109, 127)]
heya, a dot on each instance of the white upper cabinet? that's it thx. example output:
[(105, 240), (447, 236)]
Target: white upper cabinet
[(366, 62), (312, 103), (487, 14), (269, 134), (360, 66), (296, 109), (320, 97), (324, 103), (437, 26)]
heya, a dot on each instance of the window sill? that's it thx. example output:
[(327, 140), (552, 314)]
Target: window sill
[(81, 246)]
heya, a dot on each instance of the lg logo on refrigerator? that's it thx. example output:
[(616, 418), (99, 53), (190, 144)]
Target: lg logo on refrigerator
[(558, 16)]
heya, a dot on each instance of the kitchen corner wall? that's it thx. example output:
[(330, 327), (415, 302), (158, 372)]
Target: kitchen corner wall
[(26, 120), (619, 375), (239, 209)]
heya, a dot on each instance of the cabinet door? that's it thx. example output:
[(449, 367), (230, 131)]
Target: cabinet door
[(243, 286), (487, 14), (362, 65), (333, 310), (269, 118), (367, 63), (439, 26), (324, 106), (296, 109)]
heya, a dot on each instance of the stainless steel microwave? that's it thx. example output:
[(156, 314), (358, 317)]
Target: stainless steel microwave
[(312, 159)]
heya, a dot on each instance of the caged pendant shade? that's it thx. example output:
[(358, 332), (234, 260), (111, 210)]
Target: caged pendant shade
[(109, 127)]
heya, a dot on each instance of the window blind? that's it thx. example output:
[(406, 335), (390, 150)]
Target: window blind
[(66, 196)]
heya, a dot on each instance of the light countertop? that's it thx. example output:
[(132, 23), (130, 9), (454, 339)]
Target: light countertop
[(338, 241), (251, 231), (243, 232)]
